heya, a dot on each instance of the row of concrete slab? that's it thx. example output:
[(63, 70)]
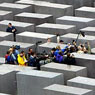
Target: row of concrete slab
[(43, 10), (75, 3), (54, 79), (84, 16), (31, 38), (29, 20), (37, 21)]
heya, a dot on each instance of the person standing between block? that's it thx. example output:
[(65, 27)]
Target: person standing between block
[(13, 30)]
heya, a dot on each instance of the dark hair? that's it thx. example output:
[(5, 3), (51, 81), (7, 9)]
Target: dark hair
[(8, 52), (60, 53), (73, 41), (68, 54), (10, 23), (32, 53), (82, 46), (61, 41), (29, 49), (72, 49), (53, 49), (22, 51)]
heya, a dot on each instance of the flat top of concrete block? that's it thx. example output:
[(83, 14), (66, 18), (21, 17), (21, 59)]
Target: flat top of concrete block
[(15, 23), (83, 80), (36, 35), (4, 94), (88, 29), (30, 2), (67, 89), (13, 5), (2, 60), (76, 19), (4, 34), (63, 67), (4, 71), (53, 5), (84, 56), (52, 45), (43, 74), (88, 9), (33, 15), (55, 26), (11, 43), (74, 36), (4, 12), (16, 67)]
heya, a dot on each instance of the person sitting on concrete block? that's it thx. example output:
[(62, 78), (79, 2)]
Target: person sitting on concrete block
[(21, 59), (70, 60)]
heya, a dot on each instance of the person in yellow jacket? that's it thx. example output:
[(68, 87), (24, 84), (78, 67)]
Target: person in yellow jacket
[(21, 59)]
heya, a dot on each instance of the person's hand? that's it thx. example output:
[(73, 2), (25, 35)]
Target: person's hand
[(35, 55), (25, 61), (46, 56), (13, 30)]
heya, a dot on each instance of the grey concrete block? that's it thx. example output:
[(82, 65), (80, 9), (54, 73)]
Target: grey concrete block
[(46, 47), (80, 22), (82, 82), (75, 3), (94, 4), (16, 68), (8, 82), (33, 37), (68, 38), (8, 1), (8, 15), (88, 30), (15, 8), (35, 18), (36, 81), (56, 89), (5, 45), (86, 60), (88, 12), (68, 71), (20, 26), (4, 94), (57, 10), (30, 2), (60, 29), (6, 36)]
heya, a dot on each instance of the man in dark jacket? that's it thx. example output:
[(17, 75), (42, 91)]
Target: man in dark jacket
[(70, 60), (12, 29)]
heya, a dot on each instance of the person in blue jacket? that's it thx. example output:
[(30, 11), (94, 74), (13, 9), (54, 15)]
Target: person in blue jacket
[(13, 30), (59, 57)]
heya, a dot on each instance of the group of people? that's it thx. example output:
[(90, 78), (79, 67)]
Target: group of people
[(81, 48), (64, 55), (57, 54), (13, 56)]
